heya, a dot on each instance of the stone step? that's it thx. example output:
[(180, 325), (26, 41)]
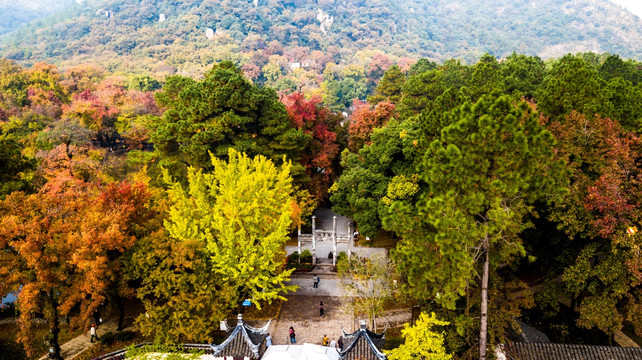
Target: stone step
[(309, 275), (302, 313), (324, 261), (326, 269), (308, 331)]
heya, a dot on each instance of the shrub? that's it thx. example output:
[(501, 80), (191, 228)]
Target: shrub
[(111, 337), (300, 267), (293, 258), (174, 352), (393, 342), (306, 257)]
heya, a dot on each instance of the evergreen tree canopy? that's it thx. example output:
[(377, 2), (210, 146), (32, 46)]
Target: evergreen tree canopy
[(223, 111), (522, 74), (367, 175), (483, 172), (571, 85), (12, 166), (390, 86), (422, 89)]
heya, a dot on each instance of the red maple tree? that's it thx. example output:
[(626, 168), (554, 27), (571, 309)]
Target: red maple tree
[(366, 118), (321, 151)]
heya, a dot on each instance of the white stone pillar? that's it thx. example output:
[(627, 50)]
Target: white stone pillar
[(351, 239), (314, 240), (299, 241), (334, 240)]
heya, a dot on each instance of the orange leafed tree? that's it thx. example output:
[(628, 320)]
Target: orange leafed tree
[(61, 250), (364, 119), (603, 201)]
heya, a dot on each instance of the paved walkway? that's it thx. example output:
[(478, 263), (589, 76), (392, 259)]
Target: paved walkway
[(394, 318), (302, 313), (81, 343), (624, 340), (328, 286)]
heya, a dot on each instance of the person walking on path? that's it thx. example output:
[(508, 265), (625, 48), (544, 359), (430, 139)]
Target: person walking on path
[(92, 332), (325, 340), (321, 309), (333, 344), (341, 343), (292, 336), (268, 341), (315, 281)]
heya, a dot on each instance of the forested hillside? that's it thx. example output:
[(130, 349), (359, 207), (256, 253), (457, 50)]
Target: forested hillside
[(157, 156), (133, 35), (18, 13), (476, 169)]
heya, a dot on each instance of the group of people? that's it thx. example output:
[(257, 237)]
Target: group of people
[(332, 343), (315, 285), (326, 341)]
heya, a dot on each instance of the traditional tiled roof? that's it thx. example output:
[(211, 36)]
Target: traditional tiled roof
[(242, 341), (551, 351), (363, 344), (522, 332)]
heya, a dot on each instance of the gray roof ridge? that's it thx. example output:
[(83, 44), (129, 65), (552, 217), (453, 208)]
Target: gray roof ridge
[(366, 334), (244, 329)]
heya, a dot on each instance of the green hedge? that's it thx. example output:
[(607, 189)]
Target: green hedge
[(111, 337), (300, 267), (293, 258), (306, 257)]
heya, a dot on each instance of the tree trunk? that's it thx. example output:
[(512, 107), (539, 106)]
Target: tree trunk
[(54, 329), (467, 298), (570, 315), (97, 317), (483, 329), (121, 312)]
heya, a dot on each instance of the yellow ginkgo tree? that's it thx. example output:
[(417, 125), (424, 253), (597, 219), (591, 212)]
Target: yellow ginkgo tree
[(422, 342), (241, 213), (222, 242)]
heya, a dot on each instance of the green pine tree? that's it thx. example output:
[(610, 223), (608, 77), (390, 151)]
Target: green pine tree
[(222, 111), (390, 87), (483, 171)]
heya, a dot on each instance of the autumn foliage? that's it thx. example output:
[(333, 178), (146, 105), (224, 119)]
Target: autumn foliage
[(446, 162), (607, 182), (62, 247), (366, 118), (321, 151)]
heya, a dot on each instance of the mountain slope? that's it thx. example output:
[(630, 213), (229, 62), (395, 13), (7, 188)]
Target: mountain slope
[(17, 13), (128, 34)]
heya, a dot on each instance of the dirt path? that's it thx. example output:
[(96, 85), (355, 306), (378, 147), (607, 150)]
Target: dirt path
[(81, 343)]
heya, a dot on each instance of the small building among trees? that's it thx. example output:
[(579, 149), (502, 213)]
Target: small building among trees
[(243, 341), (363, 344)]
